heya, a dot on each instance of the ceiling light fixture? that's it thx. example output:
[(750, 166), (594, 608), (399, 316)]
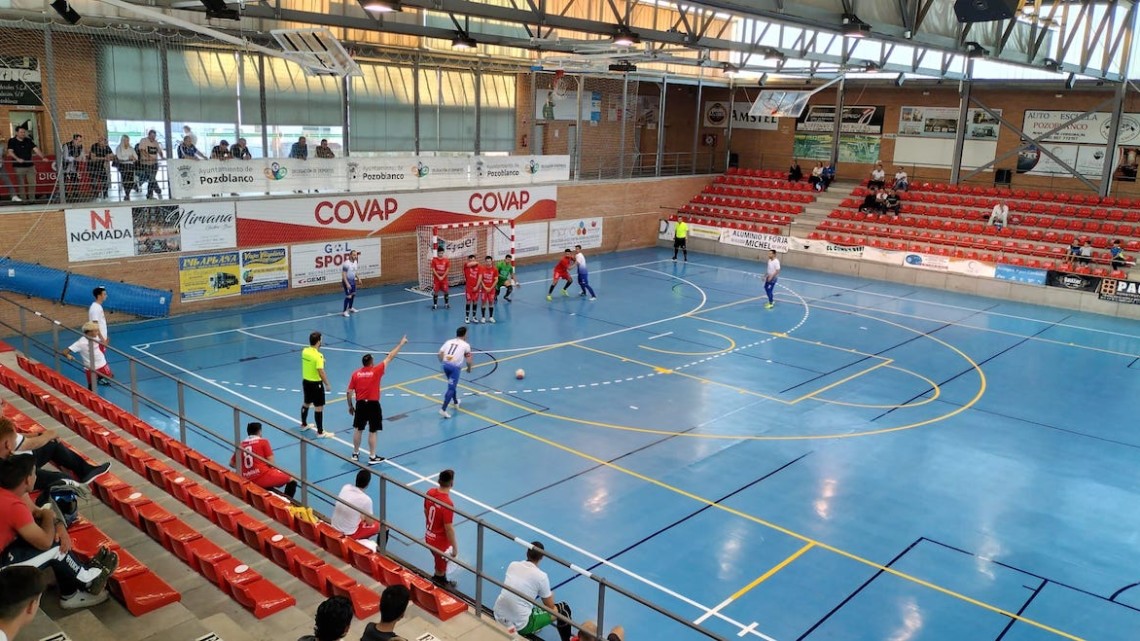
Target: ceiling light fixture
[(1029, 8), (774, 55), (975, 50), (381, 6), (626, 38), (463, 43), (853, 27), (623, 67)]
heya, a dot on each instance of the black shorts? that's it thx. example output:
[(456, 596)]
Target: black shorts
[(679, 242), (368, 413), (314, 392)]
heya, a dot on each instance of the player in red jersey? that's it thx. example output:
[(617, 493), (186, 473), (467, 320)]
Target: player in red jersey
[(440, 533), (561, 272), (440, 265), (488, 279), (257, 462), (471, 281)]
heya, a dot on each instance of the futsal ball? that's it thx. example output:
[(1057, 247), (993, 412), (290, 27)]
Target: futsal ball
[(519, 374)]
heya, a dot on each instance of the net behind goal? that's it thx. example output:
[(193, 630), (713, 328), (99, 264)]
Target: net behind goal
[(459, 240)]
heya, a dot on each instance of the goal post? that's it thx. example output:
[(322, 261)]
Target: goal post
[(459, 240)]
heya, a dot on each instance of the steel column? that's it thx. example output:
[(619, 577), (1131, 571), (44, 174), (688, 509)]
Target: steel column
[(960, 133), (837, 128)]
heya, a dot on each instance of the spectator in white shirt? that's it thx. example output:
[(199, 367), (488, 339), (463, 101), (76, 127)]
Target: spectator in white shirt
[(902, 183), (878, 177), (999, 216), (516, 612), (352, 501)]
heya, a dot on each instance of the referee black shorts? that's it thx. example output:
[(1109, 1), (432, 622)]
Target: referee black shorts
[(368, 413), (678, 242), (314, 392)]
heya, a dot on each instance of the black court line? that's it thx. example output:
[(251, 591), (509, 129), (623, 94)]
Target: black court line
[(826, 374), (859, 589), (1021, 610), (681, 520)]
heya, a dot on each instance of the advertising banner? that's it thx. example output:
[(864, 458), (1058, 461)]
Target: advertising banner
[(213, 178), (1019, 274), (1075, 282), (561, 102), (99, 234), (856, 119), (320, 263), (462, 247), (852, 148), (825, 248), (531, 239), (1091, 130), (942, 122), (335, 217), (719, 113), (209, 276), (20, 82), (1119, 291), (264, 270), (927, 261), (564, 234), (755, 240), (1088, 160)]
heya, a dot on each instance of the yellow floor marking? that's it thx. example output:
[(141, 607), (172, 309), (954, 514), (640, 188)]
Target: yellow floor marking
[(841, 381), (731, 346)]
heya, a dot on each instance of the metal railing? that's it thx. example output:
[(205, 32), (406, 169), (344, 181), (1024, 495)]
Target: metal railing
[(180, 408)]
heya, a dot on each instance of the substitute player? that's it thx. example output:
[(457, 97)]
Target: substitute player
[(349, 279), (452, 355), (770, 278), (561, 272), (440, 533), (471, 287), (506, 269), (583, 273), (363, 400), (440, 265), (257, 463), (488, 291)]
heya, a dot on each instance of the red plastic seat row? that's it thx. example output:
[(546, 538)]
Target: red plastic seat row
[(133, 584)]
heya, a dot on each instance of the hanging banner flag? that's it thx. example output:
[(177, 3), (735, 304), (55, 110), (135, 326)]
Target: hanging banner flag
[(856, 119)]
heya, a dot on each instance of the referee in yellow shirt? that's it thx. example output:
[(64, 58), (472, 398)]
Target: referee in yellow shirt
[(313, 384), (680, 233)]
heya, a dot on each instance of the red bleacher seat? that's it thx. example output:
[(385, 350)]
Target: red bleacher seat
[(436, 601)]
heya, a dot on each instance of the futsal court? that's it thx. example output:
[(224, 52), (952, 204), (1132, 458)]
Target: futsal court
[(867, 460)]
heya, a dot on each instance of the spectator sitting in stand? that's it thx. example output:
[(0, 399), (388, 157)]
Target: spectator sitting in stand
[(353, 522), (516, 612), (902, 183), (795, 174), (1116, 253), (46, 448), (891, 203), (1086, 252), (393, 605), (881, 201), (870, 202), (259, 469), (334, 616), (816, 178), (20, 590), (999, 217), (828, 175), (878, 177)]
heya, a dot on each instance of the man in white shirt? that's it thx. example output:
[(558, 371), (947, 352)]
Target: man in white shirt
[(21, 587), (878, 177), (1000, 215), (452, 355), (770, 278), (516, 612), (902, 183), (88, 349), (352, 501), (583, 273), (95, 313), (349, 279)]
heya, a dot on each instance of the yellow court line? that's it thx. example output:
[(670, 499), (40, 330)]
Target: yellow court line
[(731, 346), (755, 519), (885, 406), (775, 568), (843, 380), (665, 370), (437, 375), (727, 305)]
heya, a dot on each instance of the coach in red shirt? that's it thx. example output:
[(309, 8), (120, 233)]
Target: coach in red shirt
[(364, 401)]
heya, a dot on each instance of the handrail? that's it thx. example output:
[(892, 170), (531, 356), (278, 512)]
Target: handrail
[(384, 481)]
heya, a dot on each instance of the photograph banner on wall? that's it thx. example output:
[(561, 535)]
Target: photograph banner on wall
[(1091, 130), (335, 217), (755, 240), (856, 119), (321, 263), (1087, 160), (942, 122), (1119, 291), (561, 102), (852, 148), (719, 113), (20, 81), (209, 276), (564, 234), (264, 270), (531, 239), (212, 178)]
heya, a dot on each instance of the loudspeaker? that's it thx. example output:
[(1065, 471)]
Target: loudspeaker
[(63, 8), (984, 10)]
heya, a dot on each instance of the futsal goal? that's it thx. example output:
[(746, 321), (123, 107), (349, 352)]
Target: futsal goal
[(459, 240)]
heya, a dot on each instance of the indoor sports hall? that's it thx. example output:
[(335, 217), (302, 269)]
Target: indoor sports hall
[(787, 321)]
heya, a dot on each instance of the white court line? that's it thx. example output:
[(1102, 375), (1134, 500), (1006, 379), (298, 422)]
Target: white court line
[(750, 629), (653, 338), (414, 301), (933, 303)]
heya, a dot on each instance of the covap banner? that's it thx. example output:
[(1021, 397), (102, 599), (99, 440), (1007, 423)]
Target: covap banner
[(335, 217), (321, 263)]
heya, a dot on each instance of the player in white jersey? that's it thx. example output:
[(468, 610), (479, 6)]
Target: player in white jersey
[(453, 355)]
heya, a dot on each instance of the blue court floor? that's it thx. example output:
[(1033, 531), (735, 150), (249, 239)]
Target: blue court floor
[(865, 461)]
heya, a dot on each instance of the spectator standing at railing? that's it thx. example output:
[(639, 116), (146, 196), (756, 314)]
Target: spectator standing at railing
[(393, 604), (126, 160), (150, 152), (72, 153), (21, 148), (240, 150), (439, 529), (323, 150), (221, 151), (97, 167), (4, 174), (516, 612), (187, 150), (300, 149), (188, 133)]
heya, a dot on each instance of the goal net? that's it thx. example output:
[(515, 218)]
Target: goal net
[(494, 238)]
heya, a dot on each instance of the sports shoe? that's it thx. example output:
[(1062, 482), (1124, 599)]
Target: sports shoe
[(447, 305), (306, 426), (548, 297), (565, 293), (17, 199), (353, 310), (456, 401), (94, 473), (593, 298), (373, 460), (433, 308), (105, 562), (478, 320), (442, 581), (104, 381), (81, 600), (325, 435), (356, 455), (491, 319), (769, 305), (345, 313), (443, 413), (105, 558), (466, 319)]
